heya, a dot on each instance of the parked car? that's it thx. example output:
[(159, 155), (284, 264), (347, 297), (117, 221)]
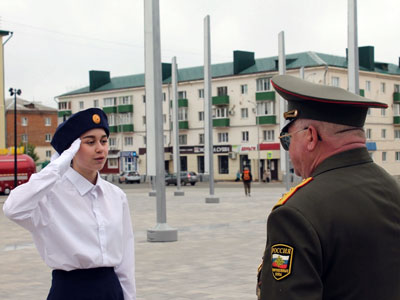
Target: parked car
[(132, 177), (122, 177), (186, 177)]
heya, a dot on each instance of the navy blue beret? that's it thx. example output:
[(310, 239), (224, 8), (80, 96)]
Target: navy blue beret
[(80, 122)]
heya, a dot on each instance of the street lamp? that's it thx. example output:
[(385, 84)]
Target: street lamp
[(15, 92)]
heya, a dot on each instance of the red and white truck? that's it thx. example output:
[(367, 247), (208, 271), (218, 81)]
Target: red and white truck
[(25, 165)]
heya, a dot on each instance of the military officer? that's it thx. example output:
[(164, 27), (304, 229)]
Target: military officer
[(337, 234)]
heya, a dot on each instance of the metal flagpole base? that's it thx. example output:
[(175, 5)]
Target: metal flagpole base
[(162, 233), (212, 199), (179, 193), (152, 193)]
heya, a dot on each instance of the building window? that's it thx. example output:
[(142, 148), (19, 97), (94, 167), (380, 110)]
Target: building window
[(397, 134), (111, 119), (263, 84), (81, 105), (200, 164), (201, 115), (182, 114), (383, 133), (24, 121), (112, 142), (164, 97), (269, 135), (125, 100), (96, 103), (201, 138), (112, 163), (48, 153), (383, 87), (144, 140), (243, 89), (182, 139), (24, 138), (47, 137), (182, 95), (368, 133), (126, 118), (244, 112), (223, 164), (383, 111), (47, 121), (396, 109), (220, 112), (222, 91), (397, 88), (397, 156), (109, 102), (265, 108), (144, 120), (144, 98), (128, 141), (184, 164), (245, 136), (335, 81), (223, 137), (164, 118), (64, 105), (383, 156), (201, 93), (368, 85)]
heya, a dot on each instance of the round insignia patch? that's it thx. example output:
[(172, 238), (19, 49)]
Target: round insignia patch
[(96, 118), (282, 257)]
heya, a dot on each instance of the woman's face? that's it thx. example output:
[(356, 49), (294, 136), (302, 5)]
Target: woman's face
[(92, 154)]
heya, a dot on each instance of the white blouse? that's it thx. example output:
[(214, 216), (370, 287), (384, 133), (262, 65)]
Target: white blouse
[(75, 224)]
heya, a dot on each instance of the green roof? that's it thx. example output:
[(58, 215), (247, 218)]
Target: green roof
[(270, 64)]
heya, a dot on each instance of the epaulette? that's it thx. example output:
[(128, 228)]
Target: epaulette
[(291, 192)]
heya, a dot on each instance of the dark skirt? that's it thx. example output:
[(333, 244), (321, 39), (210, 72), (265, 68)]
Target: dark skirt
[(86, 284)]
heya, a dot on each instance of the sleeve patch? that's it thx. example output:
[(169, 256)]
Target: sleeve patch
[(282, 258)]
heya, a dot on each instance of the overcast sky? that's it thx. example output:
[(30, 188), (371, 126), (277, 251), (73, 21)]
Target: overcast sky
[(57, 42)]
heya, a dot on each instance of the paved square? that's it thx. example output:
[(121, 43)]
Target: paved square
[(216, 256)]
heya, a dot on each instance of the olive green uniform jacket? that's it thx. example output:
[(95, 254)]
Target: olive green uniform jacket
[(337, 236)]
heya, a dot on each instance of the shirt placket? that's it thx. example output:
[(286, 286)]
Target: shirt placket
[(100, 223)]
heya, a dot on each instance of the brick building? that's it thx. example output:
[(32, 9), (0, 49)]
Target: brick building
[(36, 125)]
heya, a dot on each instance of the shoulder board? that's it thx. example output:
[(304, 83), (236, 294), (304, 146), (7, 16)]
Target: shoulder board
[(291, 192)]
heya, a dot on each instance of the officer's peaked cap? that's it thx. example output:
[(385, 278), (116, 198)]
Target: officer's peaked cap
[(319, 102), (76, 125)]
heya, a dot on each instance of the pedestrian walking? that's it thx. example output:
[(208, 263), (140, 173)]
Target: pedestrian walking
[(337, 234), (247, 178), (80, 223)]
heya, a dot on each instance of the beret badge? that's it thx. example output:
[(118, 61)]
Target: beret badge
[(96, 118)]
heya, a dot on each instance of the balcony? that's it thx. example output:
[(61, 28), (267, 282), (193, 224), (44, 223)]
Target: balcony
[(110, 109), (262, 96), (183, 124), (183, 102), (220, 100), (63, 113), (125, 108), (113, 129), (396, 97), (223, 122), (125, 128), (263, 120), (396, 120)]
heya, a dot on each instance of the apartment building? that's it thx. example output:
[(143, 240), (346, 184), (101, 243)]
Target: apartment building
[(246, 112), (36, 124)]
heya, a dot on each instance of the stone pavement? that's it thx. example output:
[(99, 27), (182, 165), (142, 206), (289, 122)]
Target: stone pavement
[(216, 256)]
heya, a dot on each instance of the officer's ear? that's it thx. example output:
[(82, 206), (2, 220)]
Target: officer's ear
[(312, 138)]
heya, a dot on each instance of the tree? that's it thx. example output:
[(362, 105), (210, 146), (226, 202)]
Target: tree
[(30, 150)]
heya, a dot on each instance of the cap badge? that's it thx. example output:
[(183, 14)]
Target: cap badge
[(291, 114), (96, 118), (282, 256)]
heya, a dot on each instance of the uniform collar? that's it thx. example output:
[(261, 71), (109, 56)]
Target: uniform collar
[(343, 159), (81, 183)]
